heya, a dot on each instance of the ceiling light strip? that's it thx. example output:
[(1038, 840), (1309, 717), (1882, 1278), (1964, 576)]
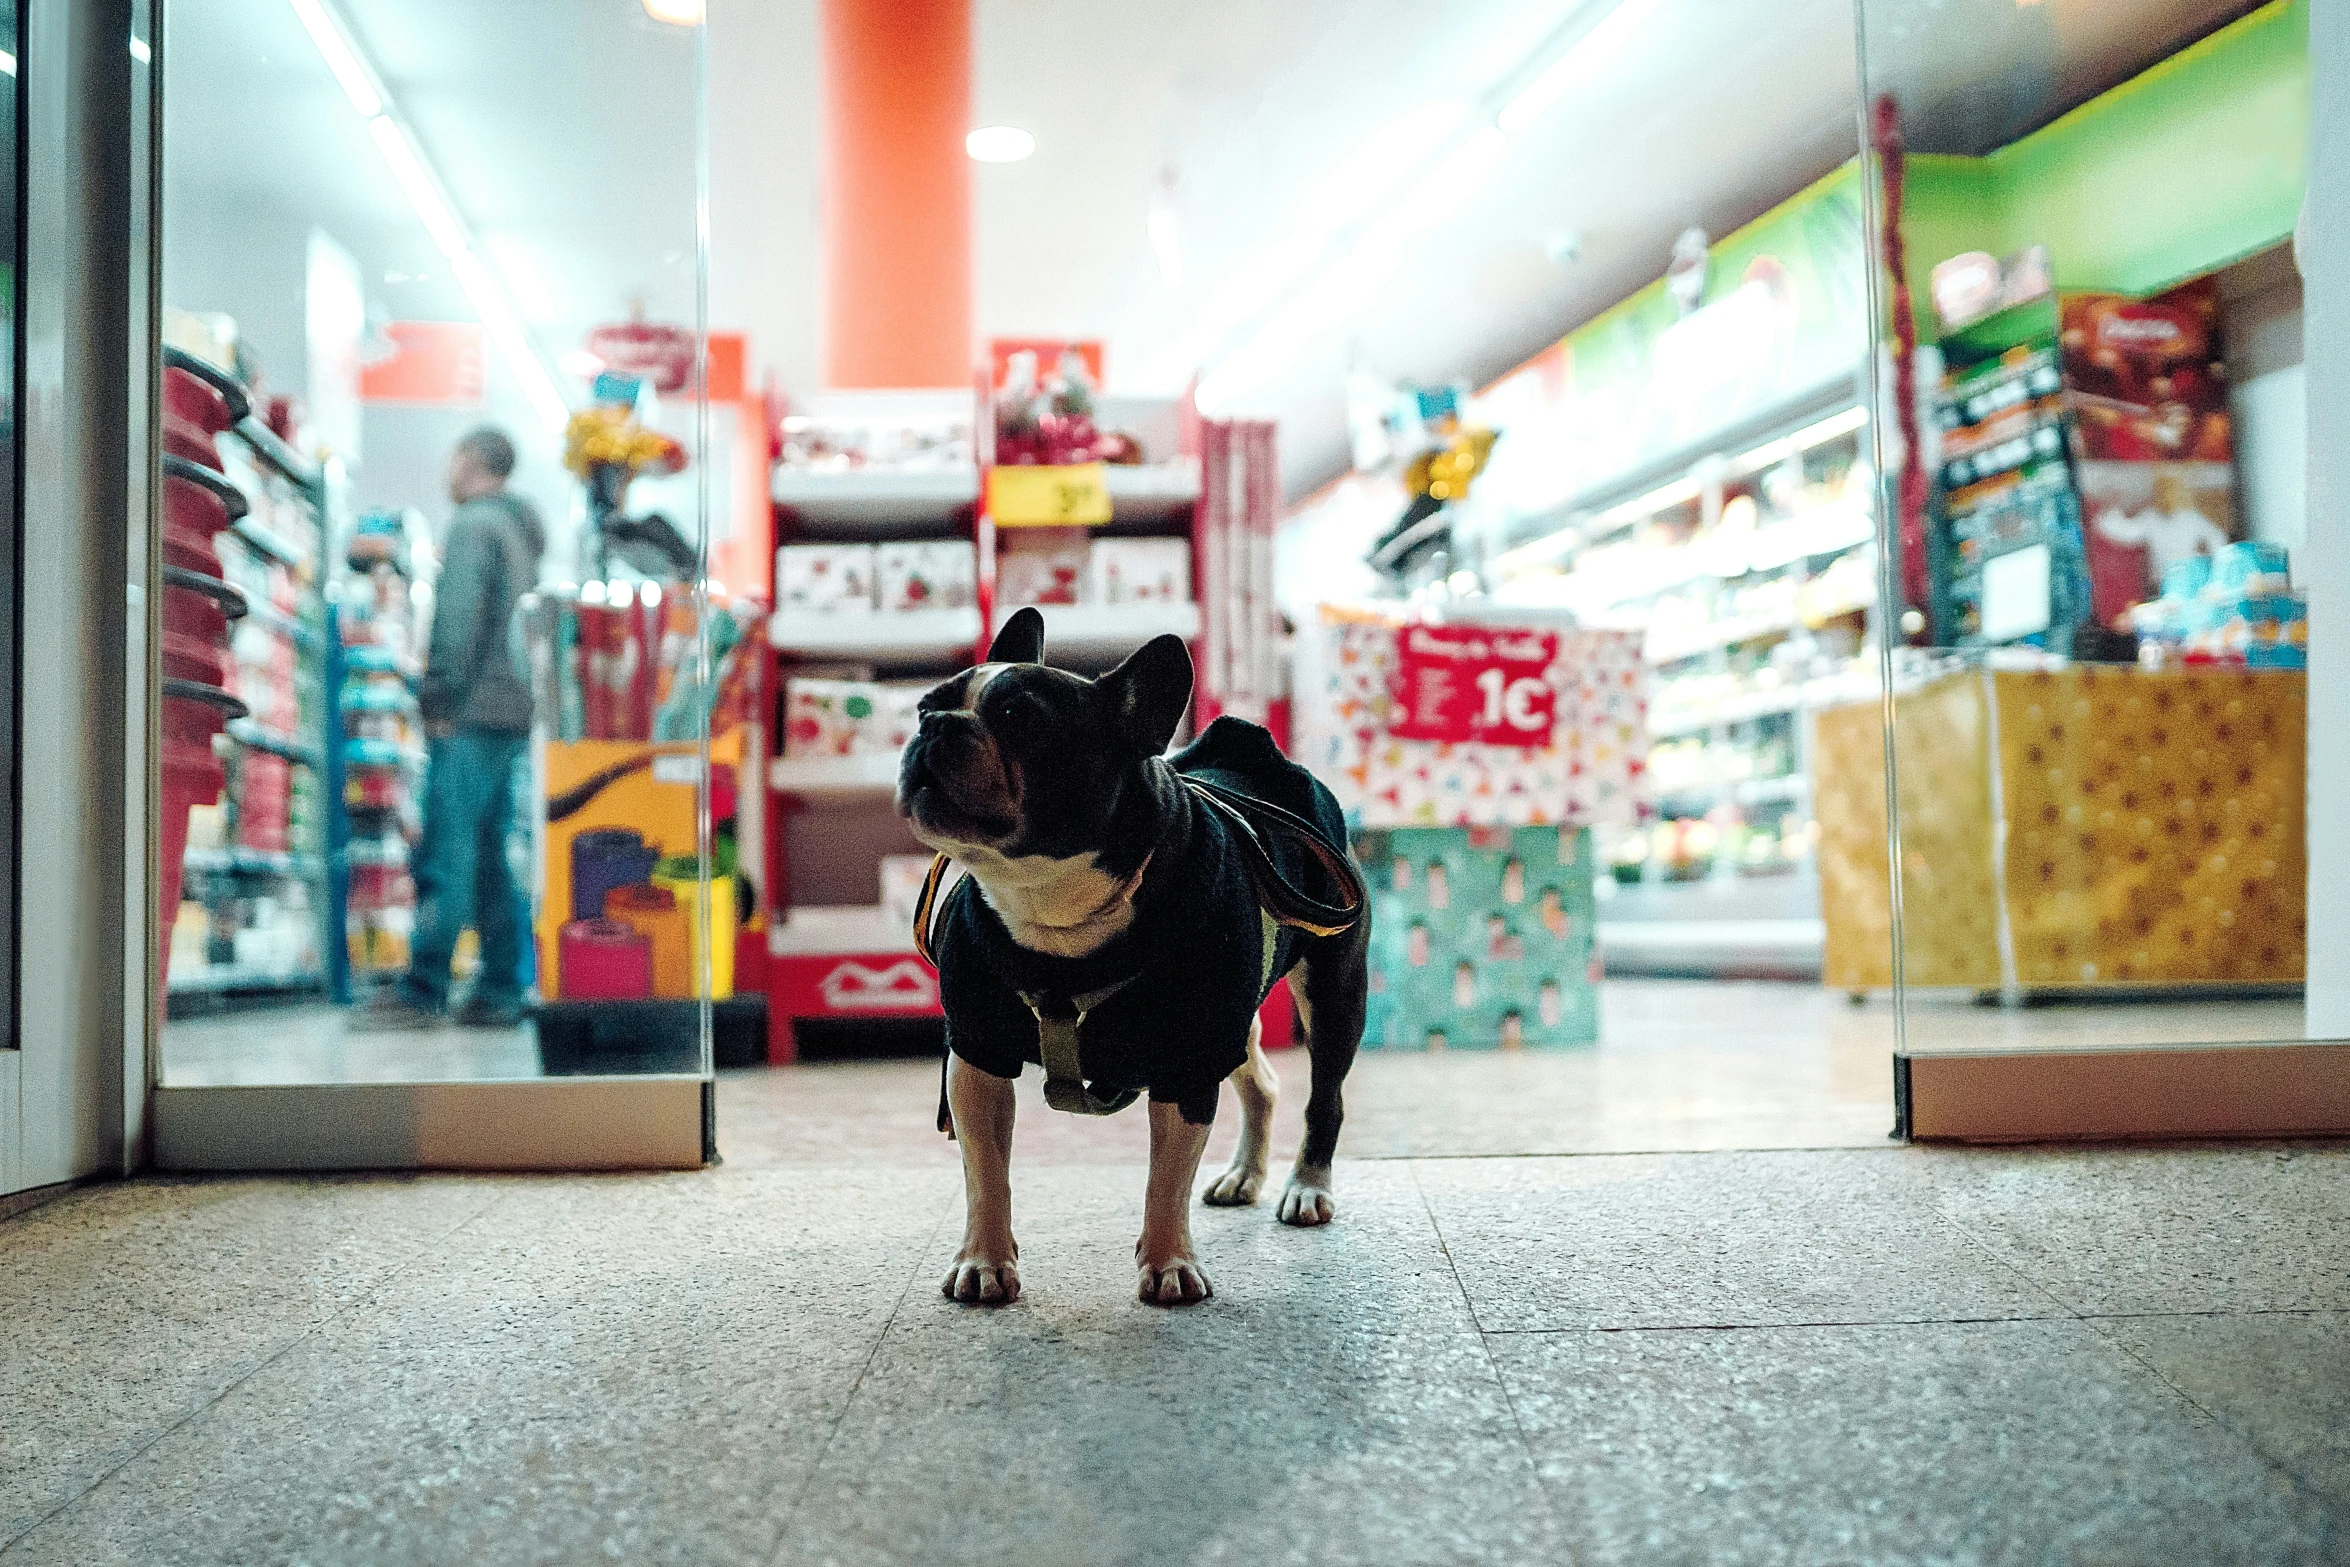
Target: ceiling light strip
[(421, 184), (1435, 185)]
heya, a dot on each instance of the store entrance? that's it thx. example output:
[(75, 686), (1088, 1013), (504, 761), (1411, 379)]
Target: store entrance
[(450, 701)]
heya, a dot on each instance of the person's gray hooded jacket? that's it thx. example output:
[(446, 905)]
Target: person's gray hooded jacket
[(476, 675)]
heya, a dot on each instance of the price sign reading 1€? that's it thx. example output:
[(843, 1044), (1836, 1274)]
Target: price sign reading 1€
[(1475, 683)]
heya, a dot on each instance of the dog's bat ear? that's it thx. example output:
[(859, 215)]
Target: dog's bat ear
[(1148, 693), (1021, 641)]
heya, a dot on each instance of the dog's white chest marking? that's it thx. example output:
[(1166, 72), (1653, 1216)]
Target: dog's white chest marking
[(1065, 908)]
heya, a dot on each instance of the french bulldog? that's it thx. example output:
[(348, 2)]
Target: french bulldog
[(1112, 907)]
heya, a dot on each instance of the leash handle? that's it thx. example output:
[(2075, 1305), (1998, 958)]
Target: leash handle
[(1275, 893)]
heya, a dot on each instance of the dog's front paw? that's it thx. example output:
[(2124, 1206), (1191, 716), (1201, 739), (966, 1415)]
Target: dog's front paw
[(1308, 1200), (1171, 1276), (1235, 1188), (984, 1275)]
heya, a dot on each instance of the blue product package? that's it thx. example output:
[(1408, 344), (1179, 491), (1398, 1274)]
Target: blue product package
[(2250, 569), (2187, 578)]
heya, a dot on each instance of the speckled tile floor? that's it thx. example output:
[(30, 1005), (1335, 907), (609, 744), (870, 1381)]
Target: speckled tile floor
[(1800, 1355)]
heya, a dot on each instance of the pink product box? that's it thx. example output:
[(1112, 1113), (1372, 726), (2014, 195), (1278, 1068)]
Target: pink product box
[(824, 578), (1140, 571), (848, 717), (928, 574), (1040, 566)]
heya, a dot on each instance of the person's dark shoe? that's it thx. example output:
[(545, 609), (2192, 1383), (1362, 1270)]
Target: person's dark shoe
[(392, 1010), (492, 1012)]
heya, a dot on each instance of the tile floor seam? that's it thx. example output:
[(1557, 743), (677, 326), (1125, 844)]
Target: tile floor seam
[(881, 1337), (1967, 1237), (204, 1406), (1501, 1383), (2336, 1508)]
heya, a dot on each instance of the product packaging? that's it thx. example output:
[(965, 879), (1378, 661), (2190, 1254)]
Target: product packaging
[(926, 574), (1482, 938), (1139, 571), (824, 578), (902, 876), (1041, 566), (2252, 569), (848, 717)]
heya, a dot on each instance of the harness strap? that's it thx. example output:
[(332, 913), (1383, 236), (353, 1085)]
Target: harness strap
[(1057, 1020)]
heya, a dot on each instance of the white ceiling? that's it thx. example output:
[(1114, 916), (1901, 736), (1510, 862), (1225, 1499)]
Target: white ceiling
[(564, 131)]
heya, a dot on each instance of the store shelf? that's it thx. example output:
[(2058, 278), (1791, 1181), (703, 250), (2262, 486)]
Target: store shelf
[(279, 621), (1099, 633), (1152, 491), (1771, 791), (268, 543), (253, 862), (278, 455), (917, 636), (1667, 648), (829, 931), (245, 732), (820, 778), (1748, 706), (876, 498), (219, 981)]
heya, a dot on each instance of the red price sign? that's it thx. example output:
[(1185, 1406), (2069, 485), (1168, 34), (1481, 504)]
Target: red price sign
[(1459, 683)]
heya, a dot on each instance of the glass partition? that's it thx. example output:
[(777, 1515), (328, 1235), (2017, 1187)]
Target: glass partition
[(2089, 357), (442, 676)]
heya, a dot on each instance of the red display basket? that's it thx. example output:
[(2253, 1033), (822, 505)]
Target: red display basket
[(193, 713)]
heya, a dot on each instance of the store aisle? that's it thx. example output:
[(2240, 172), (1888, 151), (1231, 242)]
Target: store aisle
[(1865, 1355)]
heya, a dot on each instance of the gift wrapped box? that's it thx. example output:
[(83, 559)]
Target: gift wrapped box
[(1040, 566), (1481, 938), (1139, 571), (926, 574), (824, 578), (848, 717)]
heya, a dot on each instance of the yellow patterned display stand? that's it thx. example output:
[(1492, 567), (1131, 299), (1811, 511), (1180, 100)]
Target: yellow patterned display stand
[(2153, 823)]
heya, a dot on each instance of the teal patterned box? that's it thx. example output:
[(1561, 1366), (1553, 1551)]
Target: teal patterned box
[(1481, 938)]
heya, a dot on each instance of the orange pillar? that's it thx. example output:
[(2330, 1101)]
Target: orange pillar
[(897, 193)]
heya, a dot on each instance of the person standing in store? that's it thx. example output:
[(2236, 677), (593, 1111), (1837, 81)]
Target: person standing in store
[(477, 711)]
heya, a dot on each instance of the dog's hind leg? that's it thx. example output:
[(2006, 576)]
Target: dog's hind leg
[(1331, 1003), (1259, 1089)]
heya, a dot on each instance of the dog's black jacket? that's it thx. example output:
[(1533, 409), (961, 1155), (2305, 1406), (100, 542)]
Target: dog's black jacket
[(1196, 943)]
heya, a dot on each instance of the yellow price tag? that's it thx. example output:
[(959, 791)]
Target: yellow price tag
[(1038, 496)]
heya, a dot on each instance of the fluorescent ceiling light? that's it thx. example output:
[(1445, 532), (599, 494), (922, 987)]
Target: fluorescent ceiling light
[(335, 48), (1594, 31), (505, 331), (424, 192), (491, 301), (1354, 228), (1369, 176), (677, 13), (999, 144)]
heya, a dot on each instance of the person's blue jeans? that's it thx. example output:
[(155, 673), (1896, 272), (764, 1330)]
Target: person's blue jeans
[(461, 872)]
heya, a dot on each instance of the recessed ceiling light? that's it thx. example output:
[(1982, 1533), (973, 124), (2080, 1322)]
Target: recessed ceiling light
[(999, 144), (678, 13)]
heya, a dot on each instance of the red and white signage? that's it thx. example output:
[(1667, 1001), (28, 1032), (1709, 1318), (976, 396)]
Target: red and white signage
[(1478, 684), (432, 364), (878, 984), (662, 354)]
